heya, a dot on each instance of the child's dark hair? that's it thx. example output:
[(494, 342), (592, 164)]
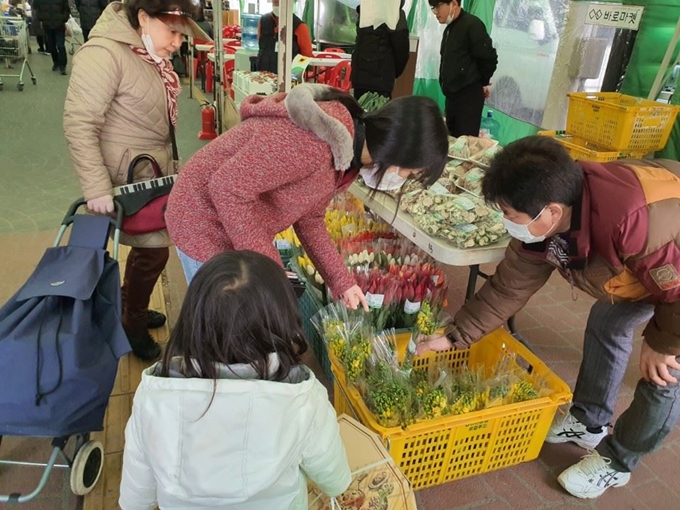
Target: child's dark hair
[(531, 173), (155, 7), (239, 308), (408, 132)]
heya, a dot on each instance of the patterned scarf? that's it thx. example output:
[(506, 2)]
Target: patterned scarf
[(558, 251), (558, 254), (170, 80)]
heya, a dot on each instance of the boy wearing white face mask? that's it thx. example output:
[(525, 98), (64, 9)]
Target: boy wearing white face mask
[(612, 231), (468, 61)]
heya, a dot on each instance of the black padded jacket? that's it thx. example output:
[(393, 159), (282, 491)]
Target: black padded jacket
[(380, 55), (467, 53)]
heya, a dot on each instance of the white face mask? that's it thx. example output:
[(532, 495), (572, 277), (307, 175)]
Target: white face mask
[(276, 10), (449, 18), (522, 233), (150, 48), (390, 181)]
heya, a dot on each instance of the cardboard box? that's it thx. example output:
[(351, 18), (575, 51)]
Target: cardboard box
[(230, 18), (230, 112), (403, 86), (377, 482)]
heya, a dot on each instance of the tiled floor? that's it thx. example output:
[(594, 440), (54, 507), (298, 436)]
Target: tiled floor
[(37, 184)]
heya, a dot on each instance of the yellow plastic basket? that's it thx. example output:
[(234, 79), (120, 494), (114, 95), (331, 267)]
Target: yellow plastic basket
[(620, 122), (436, 451), (583, 150)]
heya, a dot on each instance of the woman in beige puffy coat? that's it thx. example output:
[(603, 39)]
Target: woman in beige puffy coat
[(121, 100)]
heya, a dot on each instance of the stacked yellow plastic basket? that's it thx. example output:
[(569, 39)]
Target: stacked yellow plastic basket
[(605, 126)]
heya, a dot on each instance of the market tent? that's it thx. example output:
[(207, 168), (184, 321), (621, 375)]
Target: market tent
[(425, 25), (656, 30)]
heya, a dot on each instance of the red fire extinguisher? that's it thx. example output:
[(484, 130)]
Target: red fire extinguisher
[(207, 123)]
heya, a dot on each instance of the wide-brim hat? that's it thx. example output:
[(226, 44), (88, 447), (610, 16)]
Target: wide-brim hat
[(182, 22)]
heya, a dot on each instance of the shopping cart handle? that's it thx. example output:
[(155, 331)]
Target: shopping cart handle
[(117, 222)]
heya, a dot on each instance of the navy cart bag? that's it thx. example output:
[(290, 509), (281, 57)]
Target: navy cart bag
[(61, 336)]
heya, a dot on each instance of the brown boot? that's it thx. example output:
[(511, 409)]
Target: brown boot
[(142, 269)]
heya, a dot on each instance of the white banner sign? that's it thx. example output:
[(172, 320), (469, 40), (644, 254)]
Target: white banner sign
[(618, 16)]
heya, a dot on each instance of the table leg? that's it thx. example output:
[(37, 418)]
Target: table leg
[(472, 282), (201, 67), (517, 335)]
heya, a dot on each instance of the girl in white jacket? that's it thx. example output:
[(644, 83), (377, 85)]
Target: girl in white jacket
[(230, 418)]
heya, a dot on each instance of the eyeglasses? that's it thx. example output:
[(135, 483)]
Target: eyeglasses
[(436, 7)]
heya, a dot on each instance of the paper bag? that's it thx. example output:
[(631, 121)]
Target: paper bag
[(230, 114)]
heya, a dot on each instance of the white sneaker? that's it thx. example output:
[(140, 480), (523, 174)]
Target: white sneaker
[(567, 428), (591, 476)]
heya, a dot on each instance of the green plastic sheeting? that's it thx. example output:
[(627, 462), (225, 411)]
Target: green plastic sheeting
[(429, 88), (511, 128), (672, 150), (308, 17), (483, 9), (656, 30)]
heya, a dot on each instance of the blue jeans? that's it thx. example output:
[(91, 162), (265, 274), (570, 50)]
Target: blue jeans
[(189, 265), (655, 410)]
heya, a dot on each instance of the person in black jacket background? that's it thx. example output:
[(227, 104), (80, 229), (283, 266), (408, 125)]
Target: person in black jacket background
[(89, 11), (380, 56), (53, 14), (268, 37), (468, 61), (36, 29)]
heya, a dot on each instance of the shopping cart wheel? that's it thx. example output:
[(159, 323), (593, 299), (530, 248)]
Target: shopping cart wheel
[(87, 468), (34, 80), (71, 50), (20, 86)]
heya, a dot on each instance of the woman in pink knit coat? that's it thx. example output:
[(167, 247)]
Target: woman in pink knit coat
[(282, 165)]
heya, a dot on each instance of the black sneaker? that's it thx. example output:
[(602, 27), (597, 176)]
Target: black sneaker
[(63, 71), (143, 346), (55, 67), (154, 319)]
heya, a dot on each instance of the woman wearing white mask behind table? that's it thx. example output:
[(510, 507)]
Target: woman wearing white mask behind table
[(122, 102), (283, 164)]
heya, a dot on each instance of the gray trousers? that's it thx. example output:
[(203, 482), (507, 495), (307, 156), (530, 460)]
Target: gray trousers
[(655, 410)]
